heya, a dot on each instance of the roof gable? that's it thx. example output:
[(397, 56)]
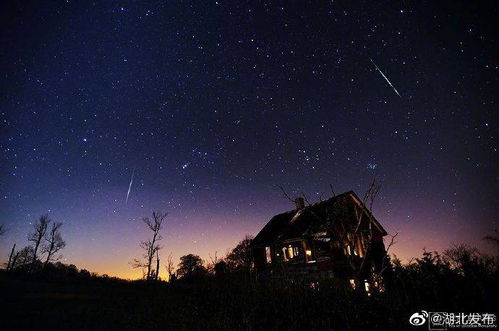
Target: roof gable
[(295, 223)]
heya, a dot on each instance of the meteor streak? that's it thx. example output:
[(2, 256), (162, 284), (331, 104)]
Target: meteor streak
[(386, 78), (130, 186)]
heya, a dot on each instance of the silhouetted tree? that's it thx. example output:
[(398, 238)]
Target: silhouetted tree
[(85, 274), (54, 243), (11, 256), (190, 266), (36, 237), (2, 230), (468, 261), (240, 257), (151, 246), (170, 268), (210, 267), (157, 266), (220, 268), (71, 269), (23, 259)]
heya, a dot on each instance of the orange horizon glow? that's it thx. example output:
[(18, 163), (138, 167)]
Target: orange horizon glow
[(407, 247), (109, 246)]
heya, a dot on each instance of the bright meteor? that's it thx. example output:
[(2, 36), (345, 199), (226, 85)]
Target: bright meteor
[(386, 78), (130, 186)]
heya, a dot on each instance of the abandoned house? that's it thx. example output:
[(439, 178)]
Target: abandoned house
[(338, 237)]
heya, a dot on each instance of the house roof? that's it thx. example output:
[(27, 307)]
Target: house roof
[(298, 222)]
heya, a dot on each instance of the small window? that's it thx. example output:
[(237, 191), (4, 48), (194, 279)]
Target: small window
[(290, 252), (284, 253), (366, 286), (268, 256)]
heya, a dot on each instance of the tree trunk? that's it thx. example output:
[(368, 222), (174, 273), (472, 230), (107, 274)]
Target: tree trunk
[(157, 269), (149, 261), (34, 255), (14, 260), (10, 256), (49, 255)]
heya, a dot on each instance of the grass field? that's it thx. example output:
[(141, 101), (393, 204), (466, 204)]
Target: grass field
[(79, 301), (210, 305)]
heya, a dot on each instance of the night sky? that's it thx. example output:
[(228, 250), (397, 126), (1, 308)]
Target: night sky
[(211, 104)]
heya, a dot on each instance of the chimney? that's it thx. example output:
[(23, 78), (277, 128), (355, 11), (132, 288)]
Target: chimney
[(300, 203)]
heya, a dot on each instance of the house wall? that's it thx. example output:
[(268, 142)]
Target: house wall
[(329, 254), (324, 262), (259, 257)]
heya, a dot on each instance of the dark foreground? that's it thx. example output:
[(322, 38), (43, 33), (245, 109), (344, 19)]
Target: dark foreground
[(210, 305), (220, 304)]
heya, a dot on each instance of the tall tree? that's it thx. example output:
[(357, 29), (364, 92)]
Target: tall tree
[(36, 237), (151, 246), (11, 256), (53, 243)]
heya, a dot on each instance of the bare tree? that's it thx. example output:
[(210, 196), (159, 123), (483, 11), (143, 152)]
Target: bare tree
[(170, 268), (305, 198), (156, 274), (332, 190), (54, 243), (2, 230), (353, 229), (378, 276), (151, 246), (11, 256), (363, 229), (359, 230), (213, 261), (285, 194), (365, 210), (22, 259), (36, 237)]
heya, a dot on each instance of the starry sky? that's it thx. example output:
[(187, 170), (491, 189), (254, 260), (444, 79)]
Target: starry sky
[(211, 104)]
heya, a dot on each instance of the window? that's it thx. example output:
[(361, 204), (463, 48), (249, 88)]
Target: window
[(268, 255), (359, 246), (366, 285), (284, 253), (290, 252)]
